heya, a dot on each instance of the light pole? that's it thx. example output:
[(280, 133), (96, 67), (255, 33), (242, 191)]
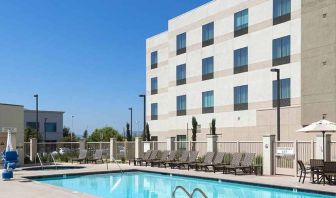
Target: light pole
[(72, 125), (144, 116), (37, 122), (131, 109), (278, 101), (45, 129)]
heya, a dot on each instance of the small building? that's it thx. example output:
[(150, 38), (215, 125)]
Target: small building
[(50, 124)]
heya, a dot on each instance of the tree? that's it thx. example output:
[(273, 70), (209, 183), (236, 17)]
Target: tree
[(66, 131), (104, 134), (194, 131), (147, 136), (85, 134), (213, 127), (30, 133), (128, 132)]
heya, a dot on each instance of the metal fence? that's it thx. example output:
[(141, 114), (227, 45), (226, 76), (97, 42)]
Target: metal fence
[(125, 150), (104, 146), (26, 149), (333, 150), (49, 147)]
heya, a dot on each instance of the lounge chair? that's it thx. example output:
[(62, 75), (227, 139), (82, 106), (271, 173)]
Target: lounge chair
[(164, 156), (236, 158), (191, 160), (152, 157), (171, 158), (98, 155), (81, 157), (138, 158), (208, 159), (144, 158), (245, 165), (182, 159), (216, 164)]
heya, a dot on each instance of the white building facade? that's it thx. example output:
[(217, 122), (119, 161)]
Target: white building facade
[(215, 61)]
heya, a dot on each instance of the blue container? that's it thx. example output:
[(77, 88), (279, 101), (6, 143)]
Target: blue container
[(7, 175)]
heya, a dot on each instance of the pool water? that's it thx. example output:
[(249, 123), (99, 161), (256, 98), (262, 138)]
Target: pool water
[(154, 185)]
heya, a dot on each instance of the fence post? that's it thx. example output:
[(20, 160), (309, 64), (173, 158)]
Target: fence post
[(296, 157), (33, 149), (113, 149), (319, 147), (268, 154), (171, 144), (312, 149), (138, 147), (212, 143), (238, 146), (82, 144)]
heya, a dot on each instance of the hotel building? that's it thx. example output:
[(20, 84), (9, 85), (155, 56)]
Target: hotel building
[(214, 62)]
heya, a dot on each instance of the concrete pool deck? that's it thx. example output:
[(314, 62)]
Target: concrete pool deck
[(21, 187)]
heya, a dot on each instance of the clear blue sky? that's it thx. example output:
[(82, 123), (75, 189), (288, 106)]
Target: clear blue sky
[(84, 57)]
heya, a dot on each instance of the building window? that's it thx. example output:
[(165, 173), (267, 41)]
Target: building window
[(281, 51), (208, 34), (154, 60), (241, 98), (32, 125), (208, 102), (154, 85), (240, 60), (241, 23), (181, 40), (281, 11), (284, 92), (181, 105), (181, 74), (154, 111), (208, 68), (181, 142), (50, 127)]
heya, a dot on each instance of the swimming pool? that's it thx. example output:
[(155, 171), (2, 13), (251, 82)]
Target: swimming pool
[(154, 185)]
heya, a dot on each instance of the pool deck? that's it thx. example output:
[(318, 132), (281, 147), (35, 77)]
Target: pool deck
[(21, 187)]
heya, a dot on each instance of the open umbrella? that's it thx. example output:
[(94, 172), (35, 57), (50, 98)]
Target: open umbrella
[(323, 126)]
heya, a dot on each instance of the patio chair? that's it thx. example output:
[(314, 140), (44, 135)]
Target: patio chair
[(245, 165), (303, 170), (192, 159), (182, 159), (171, 158), (316, 168), (218, 162), (138, 158), (329, 172), (81, 157), (98, 155), (208, 159), (152, 157), (164, 156), (144, 158)]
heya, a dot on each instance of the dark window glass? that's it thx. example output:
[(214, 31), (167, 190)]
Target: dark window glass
[(181, 142), (154, 85), (51, 127), (208, 34), (241, 98), (241, 60), (208, 102), (154, 59), (32, 125), (207, 68), (181, 105), (281, 50), (181, 40), (181, 74), (154, 111), (285, 92), (241, 20), (281, 7)]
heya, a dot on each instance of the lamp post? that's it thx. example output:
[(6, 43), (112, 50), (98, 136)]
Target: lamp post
[(72, 126), (45, 129), (37, 125), (131, 109), (144, 103), (278, 101)]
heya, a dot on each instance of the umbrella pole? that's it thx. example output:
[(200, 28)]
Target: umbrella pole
[(323, 132)]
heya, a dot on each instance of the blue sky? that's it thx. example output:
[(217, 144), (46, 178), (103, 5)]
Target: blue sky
[(85, 57)]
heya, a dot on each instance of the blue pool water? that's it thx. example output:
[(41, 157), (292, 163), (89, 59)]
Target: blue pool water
[(153, 185)]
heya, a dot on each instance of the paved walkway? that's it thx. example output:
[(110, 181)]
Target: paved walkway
[(20, 187)]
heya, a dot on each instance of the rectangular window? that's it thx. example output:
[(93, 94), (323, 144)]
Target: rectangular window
[(241, 60), (208, 68), (154, 85), (208, 102), (154, 60), (181, 105), (50, 127), (241, 98), (281, 51), (181, 142), (241, 23), (285, 90), (154, 111), (181, 74), (32, 125), (181, 42), (208, 34), (281, 11)]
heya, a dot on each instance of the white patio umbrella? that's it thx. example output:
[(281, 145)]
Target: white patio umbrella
[(323, 126), (9, 146)]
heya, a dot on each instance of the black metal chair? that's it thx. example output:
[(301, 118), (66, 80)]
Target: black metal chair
[(303, 170)]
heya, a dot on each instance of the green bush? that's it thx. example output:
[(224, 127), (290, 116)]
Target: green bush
[(258, 160)]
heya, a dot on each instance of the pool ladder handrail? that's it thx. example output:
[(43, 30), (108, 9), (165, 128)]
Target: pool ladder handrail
[(39, 158), (187, 193), (113, 160), (52, 157)]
